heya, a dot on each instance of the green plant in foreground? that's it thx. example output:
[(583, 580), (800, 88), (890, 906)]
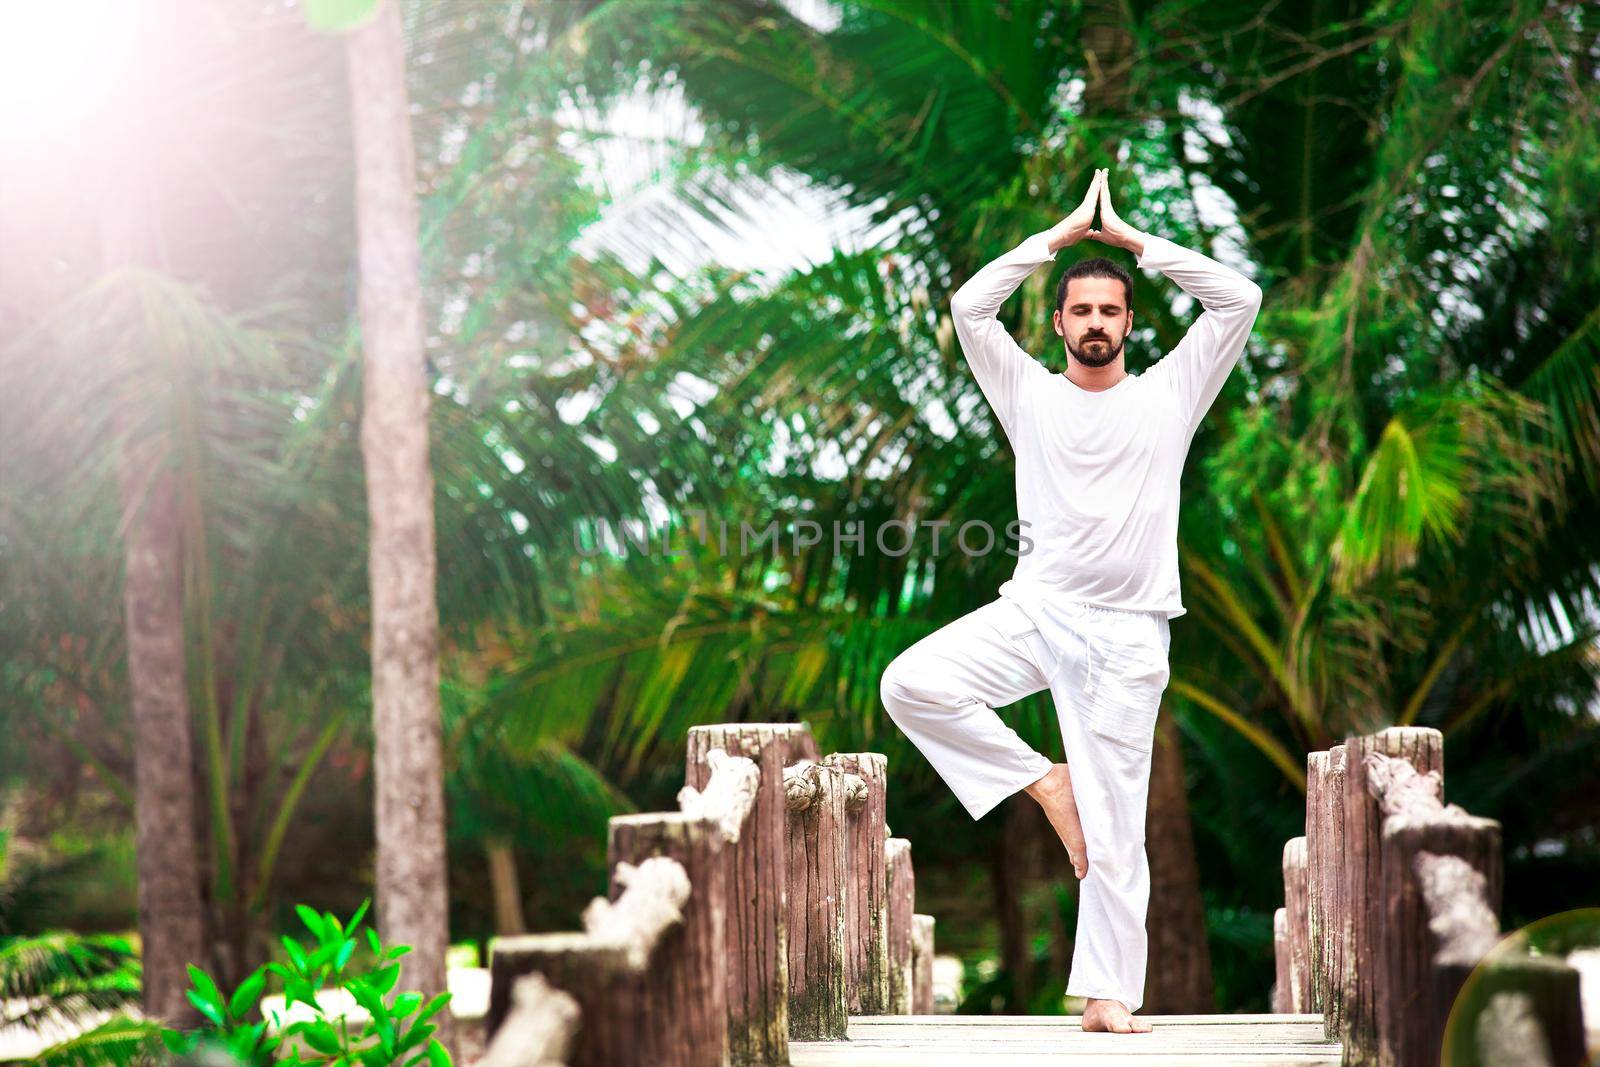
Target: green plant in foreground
[(397, 1032)]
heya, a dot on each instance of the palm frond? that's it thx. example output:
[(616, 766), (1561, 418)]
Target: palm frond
[(117, 1042)]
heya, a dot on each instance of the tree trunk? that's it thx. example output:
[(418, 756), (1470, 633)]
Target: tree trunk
[(506, 889), (170, 911), (169, 871), (1180, 982), (411, 889)]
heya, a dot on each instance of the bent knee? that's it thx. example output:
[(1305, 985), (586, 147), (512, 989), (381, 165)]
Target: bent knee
[(899, 687)]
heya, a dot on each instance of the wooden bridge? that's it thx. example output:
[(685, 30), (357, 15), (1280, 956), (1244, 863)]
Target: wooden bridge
[(770, 920), (1173, 1041)]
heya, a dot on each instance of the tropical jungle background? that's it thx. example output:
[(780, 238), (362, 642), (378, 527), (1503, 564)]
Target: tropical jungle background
[(676, 263)]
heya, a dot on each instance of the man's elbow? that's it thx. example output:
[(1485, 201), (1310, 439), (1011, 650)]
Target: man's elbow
[(1252, 296)]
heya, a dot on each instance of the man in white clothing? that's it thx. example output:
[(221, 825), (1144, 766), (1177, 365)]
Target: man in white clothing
[(1098, 452)]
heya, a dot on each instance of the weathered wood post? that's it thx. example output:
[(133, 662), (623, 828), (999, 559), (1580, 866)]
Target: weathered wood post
[(757, 887), (922, 964), (818, 1006), (866, 918), (1298, 993), (1423, 748), (1416, 824), (538, 1029), (602, 968), (1519, 1011), (1324, 882), (1281, 979), (684, 993), (902, 905)]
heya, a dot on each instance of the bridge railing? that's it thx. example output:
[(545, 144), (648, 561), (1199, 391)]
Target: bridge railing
[(773, 904), (1391, 901)]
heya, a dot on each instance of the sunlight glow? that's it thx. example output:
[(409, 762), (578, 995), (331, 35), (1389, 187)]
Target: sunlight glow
[(63, 66)]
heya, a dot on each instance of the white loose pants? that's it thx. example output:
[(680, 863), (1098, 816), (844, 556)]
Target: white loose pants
[(1106, 670)]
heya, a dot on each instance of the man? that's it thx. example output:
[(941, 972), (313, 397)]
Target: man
[(1098, 452)]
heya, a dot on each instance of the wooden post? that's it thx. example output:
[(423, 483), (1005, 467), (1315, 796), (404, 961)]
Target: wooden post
[(818, 1008), (602, 969), (1298, 995), (595, 974), (902, 905), (1456, 894), (1324, 874), (1418, 831), (684, 992), (1519, 1011), (1423, 748), (757, 888), (866, 905), (537, 1031), (1280, 961), (804, 746), (922, 964)]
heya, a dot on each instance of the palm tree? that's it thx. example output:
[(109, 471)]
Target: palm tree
[(412, 887), (169, 874)]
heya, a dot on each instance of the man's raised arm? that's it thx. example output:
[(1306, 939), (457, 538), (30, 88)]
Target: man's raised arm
[(997, 361), (1209, 350), (1202, 361)]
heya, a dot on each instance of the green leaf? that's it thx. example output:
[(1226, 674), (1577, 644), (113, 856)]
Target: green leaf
[(312, 918), (321, 956), (437, 1056), (372, 941), (176, 1041), (249, 992), (355, 921), (336, 16), (369, 998), (405, 1004), (244, 1040), (319, 1034), (297, 955), (208, 1009), (298, 989), (206, 993), (433, 1006), (344, 955), (384, 978), (414, 1037)]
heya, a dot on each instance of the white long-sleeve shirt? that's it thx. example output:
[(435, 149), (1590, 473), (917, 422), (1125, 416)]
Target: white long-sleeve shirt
[(1097, 472)]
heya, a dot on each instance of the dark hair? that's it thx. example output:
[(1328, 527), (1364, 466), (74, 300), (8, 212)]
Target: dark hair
[(1095, 267)]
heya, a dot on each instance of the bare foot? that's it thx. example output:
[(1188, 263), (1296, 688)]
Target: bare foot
[(1054, 794), (1112, 1017)]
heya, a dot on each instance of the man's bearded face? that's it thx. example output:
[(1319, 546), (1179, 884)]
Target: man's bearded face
[(1094, 320)]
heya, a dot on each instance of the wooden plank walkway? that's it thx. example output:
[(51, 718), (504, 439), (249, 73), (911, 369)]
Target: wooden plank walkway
[(1280, 1040)]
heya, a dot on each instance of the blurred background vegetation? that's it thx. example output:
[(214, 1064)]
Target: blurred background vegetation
[(688, 259)]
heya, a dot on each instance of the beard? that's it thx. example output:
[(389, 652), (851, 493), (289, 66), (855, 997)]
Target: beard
[(1095, 353)]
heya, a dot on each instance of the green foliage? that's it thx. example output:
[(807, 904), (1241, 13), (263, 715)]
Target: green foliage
[(335, 15), (396, 1032), (117, 1042), (53, 973)]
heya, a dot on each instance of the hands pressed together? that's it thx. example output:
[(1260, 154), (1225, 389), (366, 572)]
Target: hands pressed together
[(1078, 225)]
